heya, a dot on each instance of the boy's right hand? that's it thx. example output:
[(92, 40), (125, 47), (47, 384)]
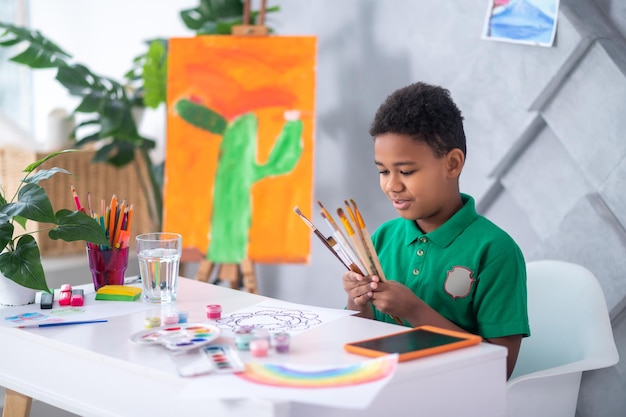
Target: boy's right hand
[(359, 291)]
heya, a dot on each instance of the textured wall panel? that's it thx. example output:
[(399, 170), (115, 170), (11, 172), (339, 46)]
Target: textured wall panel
[(614, 191), (546, 183), (587, 115), (585, 238)]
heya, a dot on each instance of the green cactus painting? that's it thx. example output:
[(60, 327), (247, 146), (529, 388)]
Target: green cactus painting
[(238, 170), (239, 147)]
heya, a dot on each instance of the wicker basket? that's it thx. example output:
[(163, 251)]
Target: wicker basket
[(102, 180)]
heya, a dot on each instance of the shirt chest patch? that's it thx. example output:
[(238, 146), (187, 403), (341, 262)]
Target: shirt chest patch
[(459, 282)]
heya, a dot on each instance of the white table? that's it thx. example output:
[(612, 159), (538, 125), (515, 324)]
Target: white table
[(93, 370)]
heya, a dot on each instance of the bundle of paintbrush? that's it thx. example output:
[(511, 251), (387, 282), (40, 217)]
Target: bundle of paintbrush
[(355, 248)]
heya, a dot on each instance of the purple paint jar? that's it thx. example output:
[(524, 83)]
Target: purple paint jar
[(281, 342)]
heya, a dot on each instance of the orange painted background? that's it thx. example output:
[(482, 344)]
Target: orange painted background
[(234, 75)]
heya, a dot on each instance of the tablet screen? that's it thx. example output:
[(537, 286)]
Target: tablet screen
[(408, 341), (415, 343)]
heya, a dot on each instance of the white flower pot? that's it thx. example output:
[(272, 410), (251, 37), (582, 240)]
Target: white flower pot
[(12, 294)]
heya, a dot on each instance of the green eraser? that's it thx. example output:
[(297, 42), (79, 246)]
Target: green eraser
[(118, 293)]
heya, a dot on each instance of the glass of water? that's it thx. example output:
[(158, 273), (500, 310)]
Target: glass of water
[(159, 259)]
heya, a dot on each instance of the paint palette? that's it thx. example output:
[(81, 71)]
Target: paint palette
[(178, 337)]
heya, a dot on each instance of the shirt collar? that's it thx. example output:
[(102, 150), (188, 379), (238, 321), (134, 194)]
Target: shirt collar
[(447, 232)]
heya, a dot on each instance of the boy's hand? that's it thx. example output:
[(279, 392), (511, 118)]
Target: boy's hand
[(393, 298), (359, 292)]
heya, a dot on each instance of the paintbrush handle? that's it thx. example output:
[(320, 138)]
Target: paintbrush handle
[(319, 235)]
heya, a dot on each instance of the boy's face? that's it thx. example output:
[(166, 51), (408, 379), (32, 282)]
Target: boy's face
[(420, 186)]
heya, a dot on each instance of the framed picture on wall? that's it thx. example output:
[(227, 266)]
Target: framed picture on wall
[(531, 22)]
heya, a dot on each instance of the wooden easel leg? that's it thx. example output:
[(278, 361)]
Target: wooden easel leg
[(16, 404), (205, 268), (249, 277), (230, 273)]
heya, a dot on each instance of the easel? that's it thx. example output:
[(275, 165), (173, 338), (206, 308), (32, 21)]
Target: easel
[(246, 28), (238, 275)]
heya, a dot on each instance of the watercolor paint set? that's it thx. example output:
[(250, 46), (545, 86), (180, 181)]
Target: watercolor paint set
[(179, 337), (224, 358), (219, 359)]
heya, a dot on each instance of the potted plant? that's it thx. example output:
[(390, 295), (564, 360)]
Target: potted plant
[(20, 259)]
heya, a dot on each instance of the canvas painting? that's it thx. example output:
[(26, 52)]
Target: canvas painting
[(531, 22), (239, 146)]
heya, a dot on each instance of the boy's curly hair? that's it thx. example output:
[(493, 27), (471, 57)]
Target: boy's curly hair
[(424, 112)]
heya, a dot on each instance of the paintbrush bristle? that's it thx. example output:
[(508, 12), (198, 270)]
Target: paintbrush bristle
[(304, 219)]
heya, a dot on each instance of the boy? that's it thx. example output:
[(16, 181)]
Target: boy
[(445, 265)]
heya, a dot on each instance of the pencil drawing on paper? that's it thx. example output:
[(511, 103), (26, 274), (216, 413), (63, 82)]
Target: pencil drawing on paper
[(273, 319)]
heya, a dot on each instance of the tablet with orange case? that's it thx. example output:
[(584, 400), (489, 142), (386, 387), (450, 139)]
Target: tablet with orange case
[(415, 343)]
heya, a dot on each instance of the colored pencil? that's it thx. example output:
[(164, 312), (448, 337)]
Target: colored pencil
[(112, 218), (89, 204), (115, 219), (118, 223), (61, 323), (79, 207)]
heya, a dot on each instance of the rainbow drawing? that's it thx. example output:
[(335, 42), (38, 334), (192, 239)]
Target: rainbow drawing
[(289, 376)]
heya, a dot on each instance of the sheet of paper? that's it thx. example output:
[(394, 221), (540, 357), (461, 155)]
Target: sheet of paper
[(91, 310), (345, 386), (280, 316)]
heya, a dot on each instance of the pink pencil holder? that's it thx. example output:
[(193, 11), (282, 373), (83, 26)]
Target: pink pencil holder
[(107, 266)]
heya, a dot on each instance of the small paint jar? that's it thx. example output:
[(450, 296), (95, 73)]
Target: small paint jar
[(281, 342), (152, 321), (243, 337), (170, 318), (259, 347), (183, 316), (261, 333), (213, 311)]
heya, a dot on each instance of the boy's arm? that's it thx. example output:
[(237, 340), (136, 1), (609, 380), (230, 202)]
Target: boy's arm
[(512, 343)]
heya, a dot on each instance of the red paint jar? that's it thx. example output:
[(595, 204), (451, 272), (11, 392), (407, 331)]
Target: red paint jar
[(213, 311)]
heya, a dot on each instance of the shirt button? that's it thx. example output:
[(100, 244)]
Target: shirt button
[(423, 240), (420, 252), (416, 271)]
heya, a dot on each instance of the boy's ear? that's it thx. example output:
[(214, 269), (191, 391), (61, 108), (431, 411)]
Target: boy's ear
[(455, 160)]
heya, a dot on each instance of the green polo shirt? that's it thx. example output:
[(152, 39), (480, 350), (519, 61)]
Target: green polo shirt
[(468, 269)]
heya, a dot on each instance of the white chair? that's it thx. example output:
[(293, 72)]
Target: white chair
[(570, 333)]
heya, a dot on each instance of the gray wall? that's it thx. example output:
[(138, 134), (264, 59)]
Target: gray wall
[(545, 143)]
